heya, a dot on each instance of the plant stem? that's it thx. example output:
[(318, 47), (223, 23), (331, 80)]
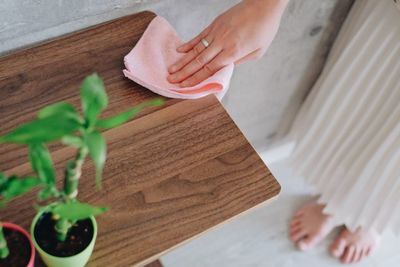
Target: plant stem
[(71, 182), (62, 227), (4, 252)]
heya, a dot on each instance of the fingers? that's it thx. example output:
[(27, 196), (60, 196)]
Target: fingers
[(205, 70), (191, 55), (195, 61), (221, 60), (185, 59), (189, 45)]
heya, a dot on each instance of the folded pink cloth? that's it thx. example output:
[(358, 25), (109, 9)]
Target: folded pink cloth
[(147, 64)]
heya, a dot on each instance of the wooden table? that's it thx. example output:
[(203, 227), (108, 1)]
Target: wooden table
[(171, 174)]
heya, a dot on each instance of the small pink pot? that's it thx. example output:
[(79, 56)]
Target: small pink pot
[(18, 228)]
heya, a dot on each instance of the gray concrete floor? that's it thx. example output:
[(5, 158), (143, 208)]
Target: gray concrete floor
[(259, 239)]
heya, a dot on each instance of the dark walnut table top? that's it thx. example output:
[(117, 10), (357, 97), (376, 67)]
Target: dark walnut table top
[(172, 173)]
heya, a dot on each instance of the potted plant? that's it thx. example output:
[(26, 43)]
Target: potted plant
[(16, 247), (64, 232)]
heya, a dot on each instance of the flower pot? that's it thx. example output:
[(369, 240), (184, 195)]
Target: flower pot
[(31, 255), (51, 260)]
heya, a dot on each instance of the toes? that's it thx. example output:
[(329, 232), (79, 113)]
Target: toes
[(362, 254), (307, 218), (294, 226), (357, 255), (307, 242), (368, 251), (298, 213), (295, 221), (348, 254), (294, 229), (297, 235), (337, 247), (359, 245)]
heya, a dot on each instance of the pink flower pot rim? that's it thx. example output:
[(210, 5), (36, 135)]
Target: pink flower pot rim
[(18, 228)]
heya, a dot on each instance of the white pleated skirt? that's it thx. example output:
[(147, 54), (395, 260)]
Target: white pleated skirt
[(347, 133)]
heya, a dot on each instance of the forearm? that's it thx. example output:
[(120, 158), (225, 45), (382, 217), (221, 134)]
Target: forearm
[(276, 3), (276, 7)]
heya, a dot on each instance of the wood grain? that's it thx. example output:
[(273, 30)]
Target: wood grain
[(171, 174), (51, 72), (154, 264)]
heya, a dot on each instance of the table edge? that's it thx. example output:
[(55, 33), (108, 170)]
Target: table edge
[(217, 226)]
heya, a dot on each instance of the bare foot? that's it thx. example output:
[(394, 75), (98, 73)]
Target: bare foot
[(352, 247), (309, 226)]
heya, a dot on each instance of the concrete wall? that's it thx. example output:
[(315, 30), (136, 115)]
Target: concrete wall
[(264, 95)]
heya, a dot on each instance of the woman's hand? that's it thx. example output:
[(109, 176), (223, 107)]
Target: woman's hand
[(242, 33)]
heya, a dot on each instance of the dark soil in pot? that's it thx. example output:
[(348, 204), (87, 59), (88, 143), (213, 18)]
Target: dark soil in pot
[(78, 238), (20, 249)]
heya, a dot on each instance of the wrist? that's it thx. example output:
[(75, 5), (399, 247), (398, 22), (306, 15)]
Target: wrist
[(278, 5)]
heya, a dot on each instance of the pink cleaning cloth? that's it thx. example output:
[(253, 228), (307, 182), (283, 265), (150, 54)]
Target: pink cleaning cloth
[(147, 64)]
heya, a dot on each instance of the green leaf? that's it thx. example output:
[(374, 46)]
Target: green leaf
[(93, 97), (15, 186), (123, 117), (72, 140), (76, 210), (3, 184), (44, 194), (3, 179), (42, 130), (42, 163), (97, 149), (57, 108), (47, 192)]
